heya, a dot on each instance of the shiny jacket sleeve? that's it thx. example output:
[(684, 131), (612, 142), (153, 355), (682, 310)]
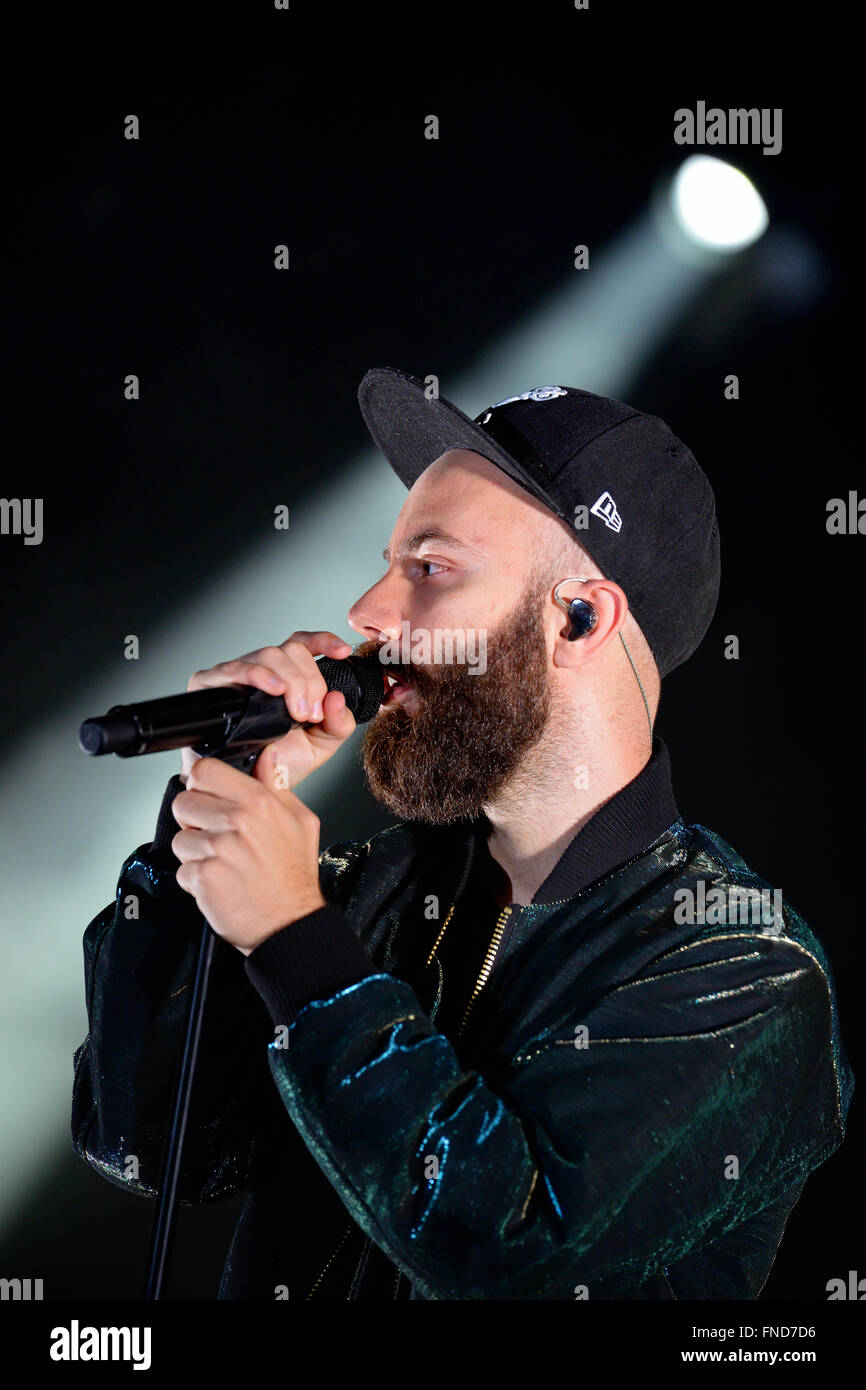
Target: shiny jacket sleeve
[(140, 955), (705, 1089)]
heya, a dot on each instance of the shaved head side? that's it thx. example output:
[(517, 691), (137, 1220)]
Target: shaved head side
[(559, 555)]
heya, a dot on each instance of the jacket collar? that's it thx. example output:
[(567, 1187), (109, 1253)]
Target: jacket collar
[(622, 828), (626, 825)]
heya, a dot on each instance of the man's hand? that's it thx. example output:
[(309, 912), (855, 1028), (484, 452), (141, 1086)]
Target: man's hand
[(290, 670), (249, 849)]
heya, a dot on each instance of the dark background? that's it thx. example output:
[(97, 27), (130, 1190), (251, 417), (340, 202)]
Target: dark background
[(260, 127)]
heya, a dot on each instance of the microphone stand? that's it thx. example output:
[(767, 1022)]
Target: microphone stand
[(242, 756)]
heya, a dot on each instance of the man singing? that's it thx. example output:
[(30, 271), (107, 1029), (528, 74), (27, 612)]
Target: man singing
[(540, 1038)]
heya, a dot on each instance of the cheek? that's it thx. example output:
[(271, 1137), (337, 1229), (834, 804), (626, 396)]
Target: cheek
[(462, 604)]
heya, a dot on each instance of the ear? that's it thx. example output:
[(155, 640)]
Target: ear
[(611, 608)]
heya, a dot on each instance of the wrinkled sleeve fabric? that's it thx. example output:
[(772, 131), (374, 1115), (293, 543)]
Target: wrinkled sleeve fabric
[(705, 1089), (140, 955)]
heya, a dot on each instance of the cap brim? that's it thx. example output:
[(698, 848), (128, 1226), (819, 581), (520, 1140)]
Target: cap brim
[(412, 429)]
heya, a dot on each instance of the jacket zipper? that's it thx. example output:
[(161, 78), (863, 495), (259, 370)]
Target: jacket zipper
[(360, 1271), (487, 966), (343, 1240)]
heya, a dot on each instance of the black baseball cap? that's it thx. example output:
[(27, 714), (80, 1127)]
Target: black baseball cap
[(631, 493)]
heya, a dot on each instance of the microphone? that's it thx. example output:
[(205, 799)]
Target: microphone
[(226, 716)]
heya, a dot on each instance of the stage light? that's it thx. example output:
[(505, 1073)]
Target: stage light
[(716, 205)]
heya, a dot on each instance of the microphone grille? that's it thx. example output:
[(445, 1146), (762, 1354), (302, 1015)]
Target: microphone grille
[(361, 680)]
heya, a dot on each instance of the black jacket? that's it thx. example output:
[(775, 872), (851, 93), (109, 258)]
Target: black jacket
[(429, 1096)]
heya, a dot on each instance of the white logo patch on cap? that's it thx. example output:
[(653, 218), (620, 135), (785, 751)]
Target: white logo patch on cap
[(605, 507), (538, 393)]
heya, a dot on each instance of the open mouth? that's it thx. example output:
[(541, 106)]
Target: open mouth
[(399, 692)]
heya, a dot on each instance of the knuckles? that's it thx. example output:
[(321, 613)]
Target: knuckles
[(203, 773), (247, 820), (271, 653), (307, 819)]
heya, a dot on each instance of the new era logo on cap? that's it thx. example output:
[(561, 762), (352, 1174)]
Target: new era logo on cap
[(605, 507)]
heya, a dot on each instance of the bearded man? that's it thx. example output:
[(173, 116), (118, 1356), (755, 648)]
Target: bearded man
[(503, 1049)]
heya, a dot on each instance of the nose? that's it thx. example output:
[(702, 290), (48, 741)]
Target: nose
[(376, 615)]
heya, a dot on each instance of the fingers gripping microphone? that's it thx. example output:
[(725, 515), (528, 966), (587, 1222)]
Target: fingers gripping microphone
[(229, 717)]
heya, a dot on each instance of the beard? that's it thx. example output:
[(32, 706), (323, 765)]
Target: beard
[(470, 732)]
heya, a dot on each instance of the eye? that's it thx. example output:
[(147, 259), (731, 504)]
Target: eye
[(437, 567)]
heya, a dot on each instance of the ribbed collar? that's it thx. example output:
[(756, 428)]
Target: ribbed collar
[(623, 827)]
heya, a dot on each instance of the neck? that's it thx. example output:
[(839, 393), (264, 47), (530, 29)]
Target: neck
[(558, 788)]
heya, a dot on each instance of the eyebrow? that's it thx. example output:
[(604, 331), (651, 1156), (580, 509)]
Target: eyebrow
[(432, 533)]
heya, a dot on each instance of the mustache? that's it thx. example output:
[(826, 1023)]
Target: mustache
[(425, 677), (423, 674), (372, 648)]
